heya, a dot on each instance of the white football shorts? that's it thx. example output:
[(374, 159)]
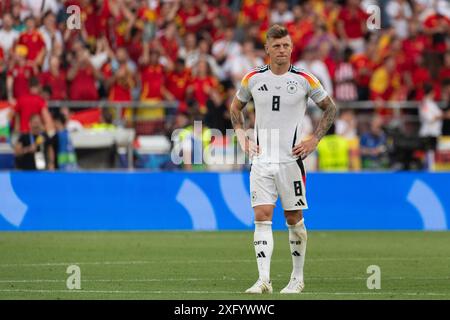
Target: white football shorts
[(287, 180)]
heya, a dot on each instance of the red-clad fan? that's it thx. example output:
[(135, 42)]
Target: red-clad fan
[(402, 62), (3, 75), (5, 6), (153, 90), (330, 13), (94, 17), (119, 77), (351, 25), (415, 45), (33, 40), (301, 30), (386, 81), (444, 72), (123, 23), (224, 12), (442, 78), (420, 76), (191, 16), (82, 76), (20, 74), (145, 14), (152, 78), (363, 64), (134, 45), (55, 78), (438, 26), (213, 18), (255, 11), (325, 54), (29, 104), (202, 83), (169, 43), (177, 82)]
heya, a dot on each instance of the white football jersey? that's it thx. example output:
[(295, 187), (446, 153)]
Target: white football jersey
[(280, 105)]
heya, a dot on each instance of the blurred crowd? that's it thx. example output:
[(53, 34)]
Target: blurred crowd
[(191, 55)]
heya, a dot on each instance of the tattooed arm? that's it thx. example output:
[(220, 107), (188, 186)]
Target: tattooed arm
[(237, 119), (328, 116), (304, 148)]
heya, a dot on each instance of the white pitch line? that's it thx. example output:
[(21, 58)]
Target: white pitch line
[(51, 264), (205, 261), (205, 279), (117, 280), (219, 292), (376, 259)]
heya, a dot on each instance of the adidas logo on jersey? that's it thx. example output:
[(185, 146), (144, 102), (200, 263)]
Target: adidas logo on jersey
[(296, 254), (299, 203), (261, 255), (263, 88)]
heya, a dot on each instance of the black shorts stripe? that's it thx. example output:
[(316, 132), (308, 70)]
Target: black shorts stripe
[(302, 168), (295, 137), (257, 138)]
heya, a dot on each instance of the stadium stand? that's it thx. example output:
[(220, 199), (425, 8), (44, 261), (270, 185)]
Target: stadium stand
[(137, 70)]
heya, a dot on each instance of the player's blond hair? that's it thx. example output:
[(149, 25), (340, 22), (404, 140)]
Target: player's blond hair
[(276, 32)]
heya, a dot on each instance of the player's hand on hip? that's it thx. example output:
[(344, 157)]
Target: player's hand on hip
[(304, 148), (250, 148)]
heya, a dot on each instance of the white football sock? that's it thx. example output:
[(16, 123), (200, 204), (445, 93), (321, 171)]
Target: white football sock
[(263, 242), (297, 241)]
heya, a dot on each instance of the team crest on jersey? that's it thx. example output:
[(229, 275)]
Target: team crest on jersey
[(292, 86)]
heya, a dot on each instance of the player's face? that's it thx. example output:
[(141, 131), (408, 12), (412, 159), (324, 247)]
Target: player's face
[(279, 50)]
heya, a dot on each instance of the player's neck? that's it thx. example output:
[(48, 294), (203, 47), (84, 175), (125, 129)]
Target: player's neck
[(279, 69)]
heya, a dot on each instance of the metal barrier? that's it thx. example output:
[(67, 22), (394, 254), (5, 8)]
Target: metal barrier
[(134, 119), (172, 106), (136, 125), (119, 110)]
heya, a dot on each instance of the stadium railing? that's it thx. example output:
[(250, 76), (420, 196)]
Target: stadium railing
[(124, 123)]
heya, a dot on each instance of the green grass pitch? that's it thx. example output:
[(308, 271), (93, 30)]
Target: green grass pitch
[(220, 265)]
